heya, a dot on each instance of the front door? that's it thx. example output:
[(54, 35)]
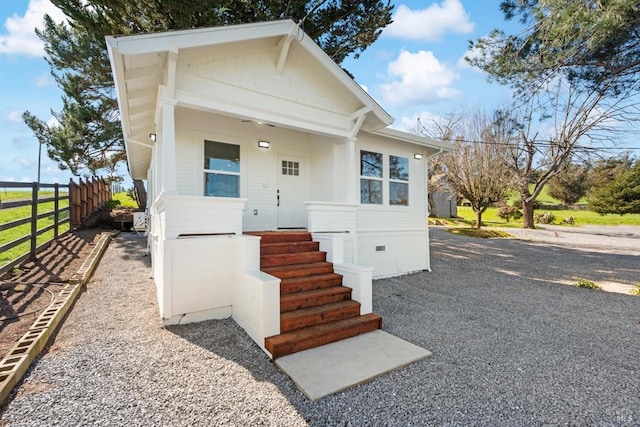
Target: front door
[(291, 192)]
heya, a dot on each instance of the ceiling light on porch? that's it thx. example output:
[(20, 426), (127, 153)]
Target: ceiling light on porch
[(152, 137), (263, 144), (417, 156)]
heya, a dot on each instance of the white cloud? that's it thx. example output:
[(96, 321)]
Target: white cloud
[(23, 162), (365, 88), (44, 80), (431, 23), (412, 125), (420, 77), (14, 116), (53, 122), (20, 37)]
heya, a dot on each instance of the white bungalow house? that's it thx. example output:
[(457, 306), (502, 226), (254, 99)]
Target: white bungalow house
[(253, 128)]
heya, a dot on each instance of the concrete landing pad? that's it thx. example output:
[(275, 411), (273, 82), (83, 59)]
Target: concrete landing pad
[(335, 367)]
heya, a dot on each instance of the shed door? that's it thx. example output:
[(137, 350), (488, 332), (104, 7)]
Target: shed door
[(291, 192)]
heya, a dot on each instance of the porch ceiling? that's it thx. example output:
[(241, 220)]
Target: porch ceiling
[(141, 78)]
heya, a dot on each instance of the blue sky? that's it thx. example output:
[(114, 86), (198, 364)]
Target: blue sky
[(413, 70)]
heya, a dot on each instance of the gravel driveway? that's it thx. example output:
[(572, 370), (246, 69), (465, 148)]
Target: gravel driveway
[(512, 345)]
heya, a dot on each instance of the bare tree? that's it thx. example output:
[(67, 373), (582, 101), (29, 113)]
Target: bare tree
[(554, 127), (477, 168)]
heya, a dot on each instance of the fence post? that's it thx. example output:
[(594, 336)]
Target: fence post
[(34, 219), (56, 207)]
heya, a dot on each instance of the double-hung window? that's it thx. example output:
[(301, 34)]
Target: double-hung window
[(371, 178), (398, 181), (221, 169)]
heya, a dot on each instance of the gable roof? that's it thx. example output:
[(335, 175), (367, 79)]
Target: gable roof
[(141, 63)]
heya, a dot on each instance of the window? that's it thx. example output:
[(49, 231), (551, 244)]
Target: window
[(398, 181), (221, 169), (370, 177)]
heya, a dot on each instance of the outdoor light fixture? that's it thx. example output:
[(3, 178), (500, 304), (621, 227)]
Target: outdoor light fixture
[(263, 144), (417, 156), (152, 137)]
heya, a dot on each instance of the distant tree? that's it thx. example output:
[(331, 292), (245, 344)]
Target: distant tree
[(616, 186), (87, 134), (571, 184), (551, 130), (477, 168)]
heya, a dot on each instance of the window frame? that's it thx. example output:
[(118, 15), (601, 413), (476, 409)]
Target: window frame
[(399, 181), (372, 178), (385, 179), (207, 171)]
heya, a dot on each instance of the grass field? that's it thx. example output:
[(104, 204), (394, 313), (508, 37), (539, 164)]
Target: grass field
[(125, 200), (582, 217), (14, 214)]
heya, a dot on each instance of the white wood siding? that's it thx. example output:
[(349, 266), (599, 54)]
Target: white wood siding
[(399, 233), (323, 174), (258, 166), (226, 78)]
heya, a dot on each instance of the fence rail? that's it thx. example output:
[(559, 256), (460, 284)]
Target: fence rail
[(83, 199)]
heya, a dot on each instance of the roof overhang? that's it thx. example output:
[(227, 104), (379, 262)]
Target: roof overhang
[(430, 146), (142, 62)]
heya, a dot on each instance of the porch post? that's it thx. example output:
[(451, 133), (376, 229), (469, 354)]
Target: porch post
[(351, 184), (168, 135)]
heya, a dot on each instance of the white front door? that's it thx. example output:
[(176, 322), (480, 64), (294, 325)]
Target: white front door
[(291, 192)]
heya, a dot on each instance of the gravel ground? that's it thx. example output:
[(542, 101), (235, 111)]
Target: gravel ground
[(512, 345)]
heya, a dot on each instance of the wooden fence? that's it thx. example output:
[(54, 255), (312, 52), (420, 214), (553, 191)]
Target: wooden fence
[(83, 199)]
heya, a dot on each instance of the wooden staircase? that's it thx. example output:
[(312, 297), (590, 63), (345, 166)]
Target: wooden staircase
[(315, 309)]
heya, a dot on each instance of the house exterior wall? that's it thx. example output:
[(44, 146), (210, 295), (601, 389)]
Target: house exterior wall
[(259, 167), (394, 239)]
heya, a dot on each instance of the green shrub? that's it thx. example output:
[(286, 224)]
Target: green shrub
[(587, 284), (544, 218), (636, 290), (112, 203), (508, 212), (569, 220)]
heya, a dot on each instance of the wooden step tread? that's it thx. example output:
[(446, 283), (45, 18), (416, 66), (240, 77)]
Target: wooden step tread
[(292, 258), (287, 247), (308, 283), (299, 270), (311, 316), (282, 236), (299, 300), (325, 333)]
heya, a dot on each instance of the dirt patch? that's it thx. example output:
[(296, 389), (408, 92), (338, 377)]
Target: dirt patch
[(28, 290)]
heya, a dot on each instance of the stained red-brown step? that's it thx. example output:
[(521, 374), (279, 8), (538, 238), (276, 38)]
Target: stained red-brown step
[(309, 283), (282, 236), (288, 247), (315, 336), (300, 270), (290, 302), (312, 316), (292, 258)]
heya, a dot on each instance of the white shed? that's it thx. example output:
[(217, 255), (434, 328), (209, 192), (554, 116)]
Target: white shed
[(246, 129)]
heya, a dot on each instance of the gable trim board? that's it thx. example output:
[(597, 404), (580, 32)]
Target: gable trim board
[(239, 85)]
